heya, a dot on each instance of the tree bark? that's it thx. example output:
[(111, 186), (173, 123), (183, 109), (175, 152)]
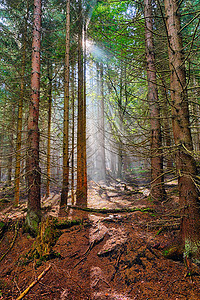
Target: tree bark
[(185, 163), (73, 127), (65, 185), (34, 175), (102, 126), (157, 179), (167, 128), (10, 159), (100, 151), (19, 117), (81, 191), (49, 130)]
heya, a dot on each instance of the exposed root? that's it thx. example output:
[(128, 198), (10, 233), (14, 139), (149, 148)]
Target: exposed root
[(13, 241)]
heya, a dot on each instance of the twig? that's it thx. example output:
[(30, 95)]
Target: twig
[(188, 264), (34, 283), (13, 241), (17, 285)]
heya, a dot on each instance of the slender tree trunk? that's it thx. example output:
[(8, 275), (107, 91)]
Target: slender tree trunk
[(19, 117), (34, 174), (1, 152), (49, 130), (100, 151), (185, 163), (10, 160), (65, 186), (196, 112), (81, 191), (84, 117), (19, 135), (121, 125), (73, 127), (102, 126), (157, 180), (11, 148), (166, 125)]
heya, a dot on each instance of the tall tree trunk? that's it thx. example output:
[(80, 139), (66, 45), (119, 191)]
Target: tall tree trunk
[(84, 117), (65, 185), (196, 114), (19, 116), (185, 163), (102, 126), (10, 159), (1, 152), (81, 191), (166, 125), (119, 130), (49, 130), (157, 180), (73, 127), (34, 175), (100, 151), (11, 148)]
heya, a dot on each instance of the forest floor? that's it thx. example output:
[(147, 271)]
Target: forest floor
[(113, 255)]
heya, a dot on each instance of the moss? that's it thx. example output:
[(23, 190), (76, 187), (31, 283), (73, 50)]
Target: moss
[(67, 223), (32, 222), (2, 224), (3, 227), (192, 250), (108, 211), (174, 252), (46, 239), (150, 198)]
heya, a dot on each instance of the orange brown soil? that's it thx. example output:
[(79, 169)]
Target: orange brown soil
[(113, 256)]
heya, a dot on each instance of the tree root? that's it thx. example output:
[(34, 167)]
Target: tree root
[(34, 283), (13, 241), (85, 254), (117, 264)]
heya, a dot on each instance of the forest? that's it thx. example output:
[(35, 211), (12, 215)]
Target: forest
[(100, 149)]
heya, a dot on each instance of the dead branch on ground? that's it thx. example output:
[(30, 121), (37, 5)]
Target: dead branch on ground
[(34, 283)]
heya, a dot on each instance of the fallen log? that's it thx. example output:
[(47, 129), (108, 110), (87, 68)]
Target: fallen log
[(111, 211)]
